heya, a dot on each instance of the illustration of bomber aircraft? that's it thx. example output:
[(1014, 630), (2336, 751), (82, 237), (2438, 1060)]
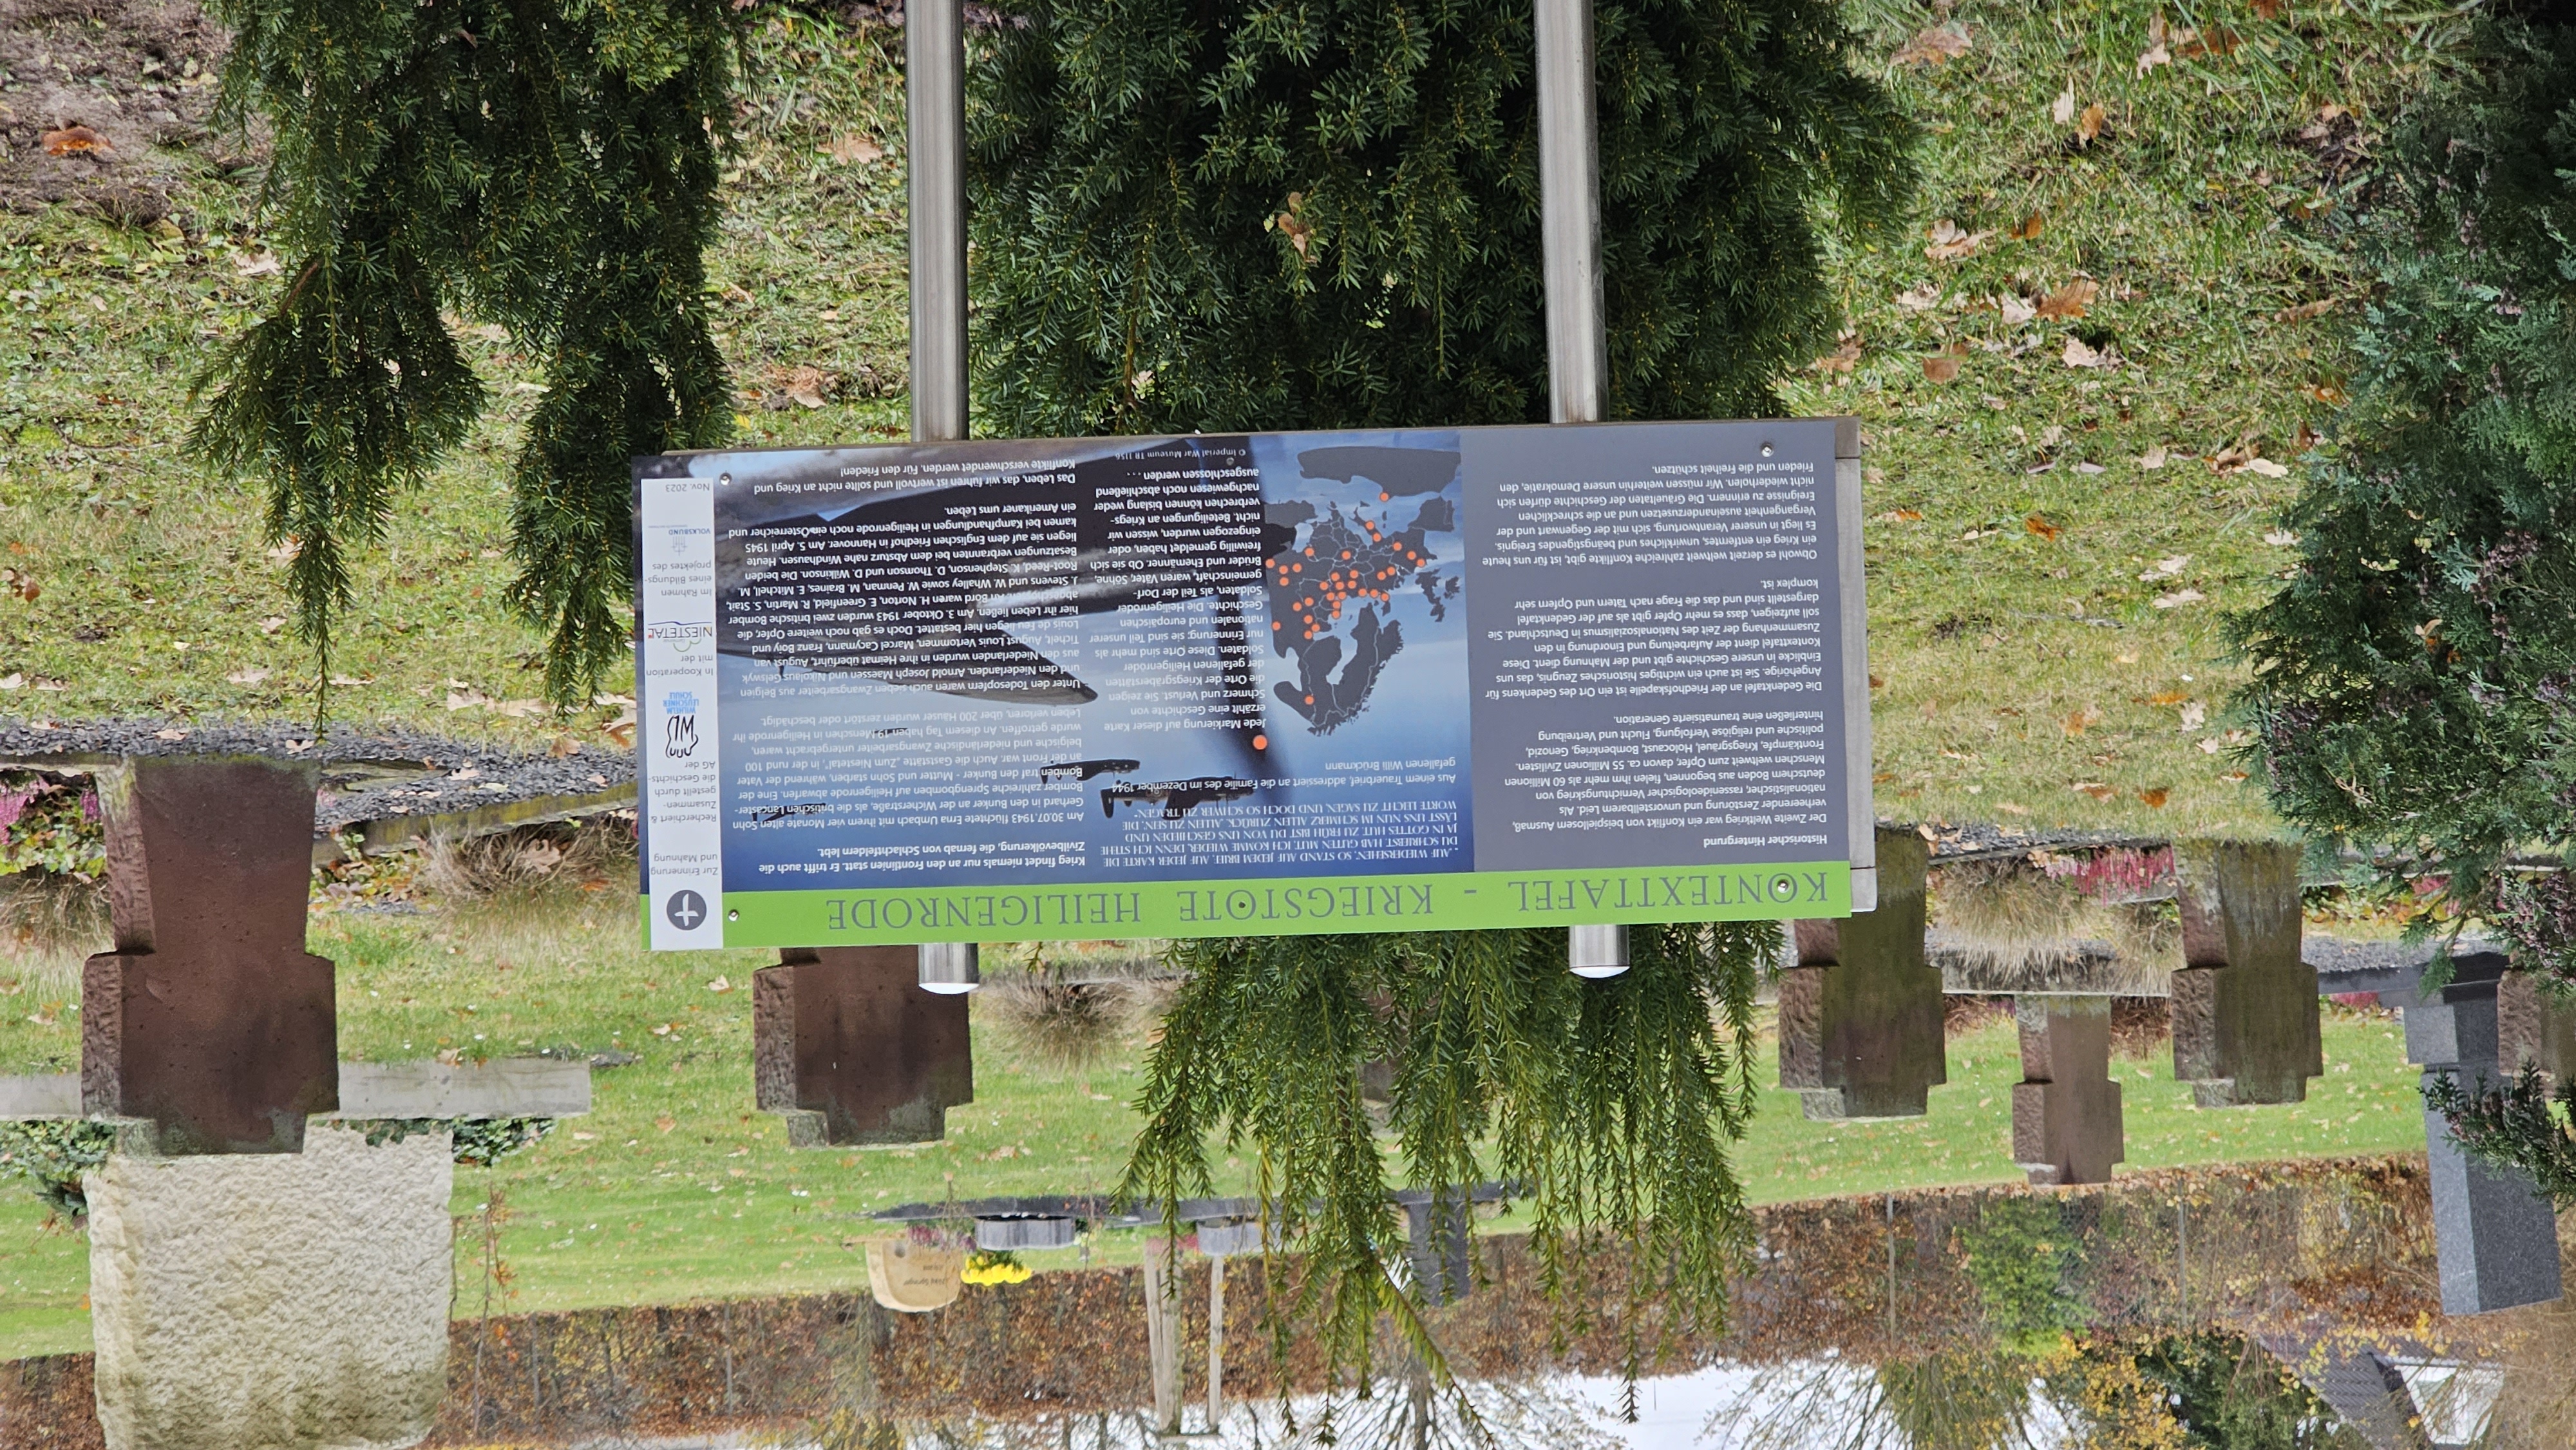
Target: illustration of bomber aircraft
[(917, 588)]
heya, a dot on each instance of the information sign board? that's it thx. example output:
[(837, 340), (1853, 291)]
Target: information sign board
[(1276, 683)]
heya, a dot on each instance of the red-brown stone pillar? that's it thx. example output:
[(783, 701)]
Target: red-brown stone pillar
[(210, 1018), (848, 1046)]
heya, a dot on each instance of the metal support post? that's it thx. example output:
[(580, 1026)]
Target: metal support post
[(934, 96), (1569, 188), (935, 110), (1569, 183)]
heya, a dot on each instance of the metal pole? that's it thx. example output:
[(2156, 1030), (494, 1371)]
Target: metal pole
[(934, 99), (934, 88), (1569, 185), (1569, 190), (1216, 1342)]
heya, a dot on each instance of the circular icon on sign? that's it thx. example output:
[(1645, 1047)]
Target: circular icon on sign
[(1783, 887), (686, 910)]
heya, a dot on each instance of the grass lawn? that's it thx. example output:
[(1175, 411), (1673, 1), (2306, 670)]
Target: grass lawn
[(674, 1189), (2028, 671)]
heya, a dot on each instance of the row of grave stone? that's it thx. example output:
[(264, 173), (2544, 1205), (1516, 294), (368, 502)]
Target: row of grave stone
[(1861, 1036), (210, 1033)]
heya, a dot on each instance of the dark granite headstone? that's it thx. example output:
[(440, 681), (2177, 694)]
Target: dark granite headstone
[(2495, 1237), (847, 1034), (1440, 1241), (210, 1018), (1860, 1013), (2245, 1017), (2066, 1122)]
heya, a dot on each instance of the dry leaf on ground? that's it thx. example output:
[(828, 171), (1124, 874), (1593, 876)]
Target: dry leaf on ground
[(272, 624), (2080, 354), (2305, 310), (250, 676), (2095, 789), (2165, 568), (2153, 458), (2267, 468), (2063, 112), (2178, 599), (2088, 127), (76, 141), (2155, 54), (1942, 369), (1840, 360), (1921, 298), (2280, 538), (2040, 527), (2193, 714), (855, 147), (2016, 309), (2155, 798), (2077, 723), (258, 264), (1938, 45), (2030, 228), (1948, 243), (2070, 301)]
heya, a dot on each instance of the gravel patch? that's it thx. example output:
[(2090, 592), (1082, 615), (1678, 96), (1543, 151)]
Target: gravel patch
[(367, 775)]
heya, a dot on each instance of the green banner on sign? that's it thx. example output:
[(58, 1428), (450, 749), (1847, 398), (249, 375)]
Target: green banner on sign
[(1464, 901)]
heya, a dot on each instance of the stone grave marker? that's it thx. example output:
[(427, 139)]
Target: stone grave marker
[(2066, 1122), (209, 1020), (849, 1049), (261, 1276), (2246, 1027), (1860, 1013), (2495, 1236)]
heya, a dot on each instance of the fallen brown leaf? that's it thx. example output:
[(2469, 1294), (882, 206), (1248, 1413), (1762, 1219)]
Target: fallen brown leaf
[(2095, 789), (1942, 369), (1949, 243), (2063, 111), (2155, 54), (855, 148), (1840, 360), (2040, 526), (2305, 310), (2031, 226), (2080, 354), (1901, 516), (2217, 41), (2155, 798), (2077, 723), (2069, 302), (2088, 127), (76, 141), (1938, 45)]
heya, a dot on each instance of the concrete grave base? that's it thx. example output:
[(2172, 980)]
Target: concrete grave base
[(273, 1301)]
